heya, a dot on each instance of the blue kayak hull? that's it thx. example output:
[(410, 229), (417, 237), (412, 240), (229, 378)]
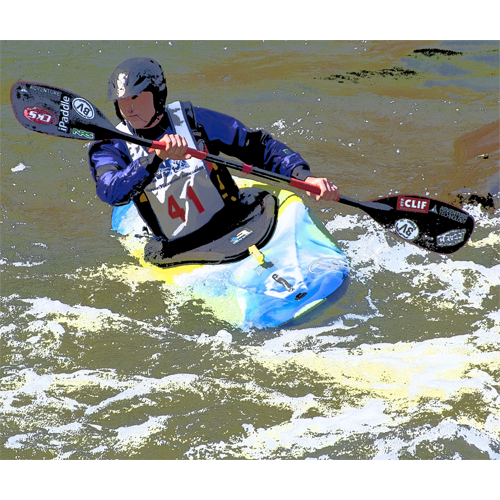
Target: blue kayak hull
[(299, 267)]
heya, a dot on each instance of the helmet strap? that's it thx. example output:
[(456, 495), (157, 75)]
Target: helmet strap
[(155, 116)]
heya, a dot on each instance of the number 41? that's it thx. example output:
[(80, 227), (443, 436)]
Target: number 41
[(175, 211)]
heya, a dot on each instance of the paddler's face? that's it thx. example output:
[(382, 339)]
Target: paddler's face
[(138, 110)]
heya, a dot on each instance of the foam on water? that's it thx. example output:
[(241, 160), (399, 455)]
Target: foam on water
[(109, 362), (342, 389), (375, 251), (20, 167), (398, 382), (394, 384)]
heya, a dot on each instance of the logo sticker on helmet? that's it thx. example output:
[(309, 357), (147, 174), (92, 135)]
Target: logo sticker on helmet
[(121, 83), (406, 229), (83, 108)]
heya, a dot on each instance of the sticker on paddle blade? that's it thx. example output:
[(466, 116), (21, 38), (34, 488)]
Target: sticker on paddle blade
[(406, 229), (450, 238), (83, 108), (453, 214), (39, 115), (413, 204)]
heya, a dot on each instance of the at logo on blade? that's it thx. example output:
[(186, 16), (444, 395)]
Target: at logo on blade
[(406, 229), (83, 108), (410, 204), (40, 115)]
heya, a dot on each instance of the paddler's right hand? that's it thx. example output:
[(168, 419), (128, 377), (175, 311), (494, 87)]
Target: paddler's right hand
[(176, 147), (329, 191)]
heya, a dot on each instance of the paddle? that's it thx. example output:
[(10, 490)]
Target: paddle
[(427, 223)]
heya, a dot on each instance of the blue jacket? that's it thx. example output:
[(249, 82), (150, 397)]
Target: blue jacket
[(120, 180)]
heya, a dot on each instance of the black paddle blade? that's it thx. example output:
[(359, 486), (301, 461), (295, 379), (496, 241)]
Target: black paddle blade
[(54, 111), (431, 224)]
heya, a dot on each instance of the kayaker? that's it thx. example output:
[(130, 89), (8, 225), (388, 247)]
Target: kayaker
[(174, 193)]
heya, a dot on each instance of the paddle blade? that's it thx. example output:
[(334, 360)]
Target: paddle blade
[(431, 224), (54, 111)]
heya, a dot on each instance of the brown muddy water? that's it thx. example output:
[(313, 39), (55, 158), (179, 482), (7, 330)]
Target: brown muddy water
[(98, 361)]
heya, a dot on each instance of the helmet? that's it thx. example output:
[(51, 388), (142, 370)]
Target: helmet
[(137, 75)]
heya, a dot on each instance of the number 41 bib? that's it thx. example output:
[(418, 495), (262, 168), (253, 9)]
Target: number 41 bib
[(181, 194)]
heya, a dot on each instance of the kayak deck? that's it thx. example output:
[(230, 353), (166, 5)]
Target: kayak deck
[(299, 266)]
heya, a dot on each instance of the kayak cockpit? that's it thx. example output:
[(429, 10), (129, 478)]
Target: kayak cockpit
[(226, 238)]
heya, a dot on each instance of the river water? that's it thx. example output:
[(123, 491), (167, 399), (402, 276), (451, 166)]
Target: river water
[(99, 360)]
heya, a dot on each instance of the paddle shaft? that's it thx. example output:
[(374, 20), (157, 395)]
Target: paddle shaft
[(246, 169), (430, 233), (260, 172), (430, 224)]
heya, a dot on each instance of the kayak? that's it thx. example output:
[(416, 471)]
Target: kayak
[(279, 278)]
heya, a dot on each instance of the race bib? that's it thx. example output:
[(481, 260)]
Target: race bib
[(181, 194), (183, 197)]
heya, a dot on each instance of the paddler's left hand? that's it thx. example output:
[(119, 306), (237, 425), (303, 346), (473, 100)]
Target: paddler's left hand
[(175, 148), (329, 191)]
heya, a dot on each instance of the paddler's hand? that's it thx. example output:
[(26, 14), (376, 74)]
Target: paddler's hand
[(329, 191), (176, 147)]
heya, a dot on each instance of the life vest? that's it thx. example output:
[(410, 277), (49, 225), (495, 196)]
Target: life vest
[(184, 194)]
